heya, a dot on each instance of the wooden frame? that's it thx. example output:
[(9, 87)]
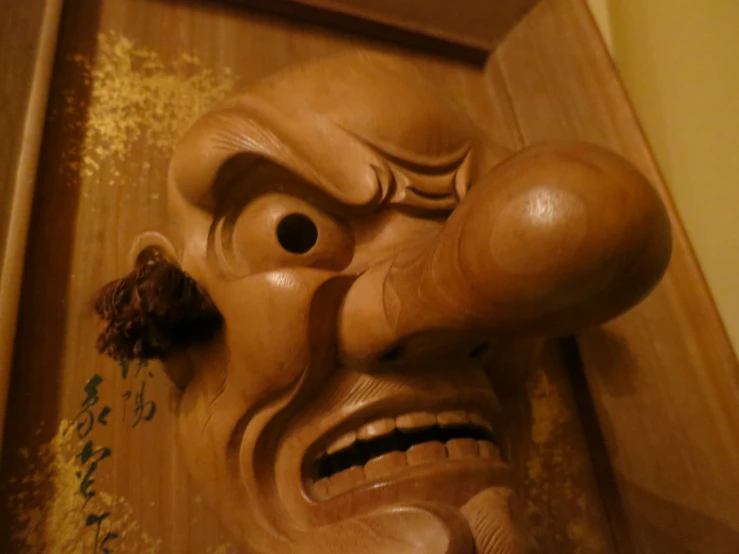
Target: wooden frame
[(470, 26), (27, 58), (661, 380)]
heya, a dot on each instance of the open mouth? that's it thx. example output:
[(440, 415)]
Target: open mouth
[(384, 447)]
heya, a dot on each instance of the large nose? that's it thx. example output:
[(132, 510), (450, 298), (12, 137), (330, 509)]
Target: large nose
[(559, 237)]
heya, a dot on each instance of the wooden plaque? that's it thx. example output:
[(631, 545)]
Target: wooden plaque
[(623, 439)]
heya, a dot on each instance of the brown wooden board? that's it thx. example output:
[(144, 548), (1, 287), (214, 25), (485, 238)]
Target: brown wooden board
[(101, 183), (663, 378), (469, 23), (129, 76), (28, 33)]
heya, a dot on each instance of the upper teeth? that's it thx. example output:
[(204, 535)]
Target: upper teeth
[(413, 421), (386, 462)]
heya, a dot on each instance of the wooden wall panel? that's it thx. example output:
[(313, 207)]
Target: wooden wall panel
[(471, 23), (101, 183), (663, 378), (558, 477), (28, 33)]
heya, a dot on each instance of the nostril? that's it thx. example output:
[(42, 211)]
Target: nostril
[(393, 354), (478, 351)]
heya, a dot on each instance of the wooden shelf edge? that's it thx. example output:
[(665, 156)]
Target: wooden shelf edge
[(20, 194)]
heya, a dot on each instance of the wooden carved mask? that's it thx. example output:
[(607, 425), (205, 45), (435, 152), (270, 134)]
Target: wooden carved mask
[(367, 254)]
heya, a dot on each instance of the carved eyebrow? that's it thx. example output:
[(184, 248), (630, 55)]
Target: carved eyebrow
[(246, 168), (421, 163), (433, 183), (322, 153)]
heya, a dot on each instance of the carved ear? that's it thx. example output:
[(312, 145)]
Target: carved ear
[(150, 245), (156, 310)]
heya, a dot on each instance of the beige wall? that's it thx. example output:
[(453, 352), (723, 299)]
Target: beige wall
[(679, 60)]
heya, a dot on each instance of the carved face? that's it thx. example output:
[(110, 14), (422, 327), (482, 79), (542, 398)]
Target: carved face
[(372, 253)]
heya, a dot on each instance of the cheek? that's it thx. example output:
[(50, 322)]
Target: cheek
[(267, 343), (262, 350), (208, 415), (269, 337), (208, 410)]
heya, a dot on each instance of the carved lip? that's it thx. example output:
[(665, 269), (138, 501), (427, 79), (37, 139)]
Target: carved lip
[(385, 447)]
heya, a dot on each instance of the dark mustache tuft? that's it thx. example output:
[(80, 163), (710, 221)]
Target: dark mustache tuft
[(154, 311)]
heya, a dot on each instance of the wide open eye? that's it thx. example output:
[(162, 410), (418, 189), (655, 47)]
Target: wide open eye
[(278, 230), (297, 233)]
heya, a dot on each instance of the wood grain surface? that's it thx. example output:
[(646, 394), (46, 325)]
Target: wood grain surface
[(97, 192), (28, 33), (663, 378), (477, 25)]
